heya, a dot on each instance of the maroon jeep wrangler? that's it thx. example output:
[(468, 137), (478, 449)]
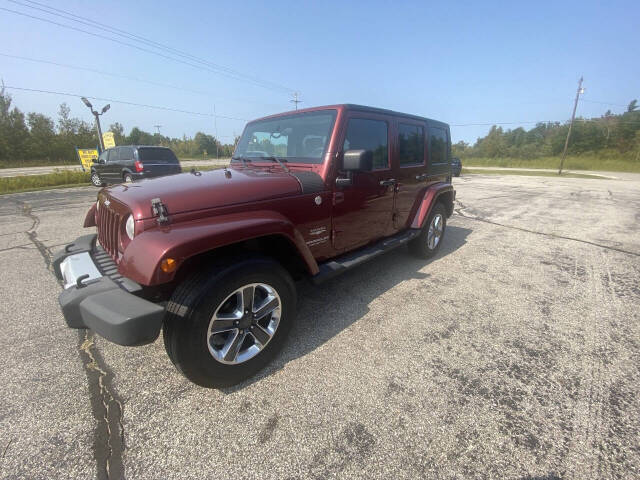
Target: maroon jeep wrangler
[(211, 257)]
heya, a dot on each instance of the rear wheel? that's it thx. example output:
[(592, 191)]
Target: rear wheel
[(95, 179), (225, 325), (427, 244), (128, 178)]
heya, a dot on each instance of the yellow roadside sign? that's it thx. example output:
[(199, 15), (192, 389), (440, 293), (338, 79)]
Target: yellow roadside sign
[(108, 140), (87, 156)]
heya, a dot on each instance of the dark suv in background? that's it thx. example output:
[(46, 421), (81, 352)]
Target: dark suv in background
[(132, 162), (456, 166)]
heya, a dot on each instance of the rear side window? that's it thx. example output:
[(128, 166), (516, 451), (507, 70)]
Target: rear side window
[(126, 153), (365, 134), (410, 144), (156, 155), (438, 145)]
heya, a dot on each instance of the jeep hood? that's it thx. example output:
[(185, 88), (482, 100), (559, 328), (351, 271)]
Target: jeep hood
[(187, 192)]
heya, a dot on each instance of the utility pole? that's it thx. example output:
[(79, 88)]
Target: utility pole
[(573, 116), (215, 129), (97, 115), (157, 127), (295, 99)]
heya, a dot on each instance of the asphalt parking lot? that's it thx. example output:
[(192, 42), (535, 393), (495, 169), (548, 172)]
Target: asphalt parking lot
[(515, 353)]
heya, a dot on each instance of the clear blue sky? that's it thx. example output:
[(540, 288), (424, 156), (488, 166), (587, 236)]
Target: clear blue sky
[(461, 62)]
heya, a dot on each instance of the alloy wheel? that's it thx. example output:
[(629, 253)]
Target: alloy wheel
[(244, 323), (434, 234)]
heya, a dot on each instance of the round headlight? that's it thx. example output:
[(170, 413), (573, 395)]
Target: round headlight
[(130, 227)]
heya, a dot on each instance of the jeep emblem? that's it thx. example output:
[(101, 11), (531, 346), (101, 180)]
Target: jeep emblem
[(318, 200)]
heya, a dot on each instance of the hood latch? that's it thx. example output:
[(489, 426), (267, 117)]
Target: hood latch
[(158, 209)]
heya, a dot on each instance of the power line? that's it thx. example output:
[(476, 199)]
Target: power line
[(123, 102), (603, 103), (126, 77), (583, 120), (194, 65), (92, 23)]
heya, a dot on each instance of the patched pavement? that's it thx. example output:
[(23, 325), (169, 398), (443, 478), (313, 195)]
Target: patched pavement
[(513, 354)]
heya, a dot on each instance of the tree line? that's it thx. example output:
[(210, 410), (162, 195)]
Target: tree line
[(612, 134), (37, 138)]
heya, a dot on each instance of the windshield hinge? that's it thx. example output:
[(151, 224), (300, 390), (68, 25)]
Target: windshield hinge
[(158, 209)]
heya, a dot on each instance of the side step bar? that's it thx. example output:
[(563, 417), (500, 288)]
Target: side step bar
[(350, 260)]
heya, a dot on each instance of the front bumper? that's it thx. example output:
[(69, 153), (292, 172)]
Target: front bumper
[(96, 296)]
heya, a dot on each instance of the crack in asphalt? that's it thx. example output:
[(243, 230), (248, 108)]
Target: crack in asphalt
[(459, 211), (106, 405)]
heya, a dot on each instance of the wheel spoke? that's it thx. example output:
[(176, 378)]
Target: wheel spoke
[(222, 324), (247, 299), (268, 306), (232, 346), (260, 335)]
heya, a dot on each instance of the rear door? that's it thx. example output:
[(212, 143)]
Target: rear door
[(439, 153), (362, 211), (158, 161), (126, 159), (112, 167), (410, 168)]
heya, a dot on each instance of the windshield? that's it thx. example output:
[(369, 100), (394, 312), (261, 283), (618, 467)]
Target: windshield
[(301, 137)]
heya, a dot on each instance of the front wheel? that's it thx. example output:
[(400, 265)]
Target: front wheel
[(95, 179), (224, 325), (427, 244)]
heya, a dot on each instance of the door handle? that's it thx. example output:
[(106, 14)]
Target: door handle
[(421, 177), (387, 183)]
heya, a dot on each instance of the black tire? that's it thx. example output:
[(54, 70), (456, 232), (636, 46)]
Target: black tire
[(457, 174), (420, 246), (96, 180), (195, 301), (128, 178)]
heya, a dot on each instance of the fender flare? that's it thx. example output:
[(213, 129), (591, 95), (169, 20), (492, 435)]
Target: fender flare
[(143, 255), (429, 199)]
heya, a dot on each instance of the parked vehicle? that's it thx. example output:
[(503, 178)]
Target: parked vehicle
[(309, 193), (456, 166), (129, 163)]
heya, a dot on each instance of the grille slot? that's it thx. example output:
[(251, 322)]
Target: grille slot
[(108, 228), (108, 268)]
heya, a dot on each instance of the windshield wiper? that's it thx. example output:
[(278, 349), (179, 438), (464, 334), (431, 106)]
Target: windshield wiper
[(280, 162)]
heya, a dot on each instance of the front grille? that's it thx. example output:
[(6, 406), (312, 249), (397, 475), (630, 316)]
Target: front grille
[(108, 230)]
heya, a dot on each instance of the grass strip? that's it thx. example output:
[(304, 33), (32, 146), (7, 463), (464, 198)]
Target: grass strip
[(604, 163), (38, 182), (531, 173)]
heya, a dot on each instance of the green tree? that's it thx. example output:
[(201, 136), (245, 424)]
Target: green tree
[(14, 134), (42, 136)]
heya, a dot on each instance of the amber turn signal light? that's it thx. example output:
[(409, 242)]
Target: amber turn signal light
[(168, 265)]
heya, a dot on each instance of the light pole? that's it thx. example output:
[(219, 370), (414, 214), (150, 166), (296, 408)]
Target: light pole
[(97, 115)]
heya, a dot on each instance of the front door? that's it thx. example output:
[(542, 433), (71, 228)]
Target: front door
[(362, 211)]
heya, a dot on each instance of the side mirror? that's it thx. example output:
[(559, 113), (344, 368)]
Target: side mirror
[(357, 161)]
